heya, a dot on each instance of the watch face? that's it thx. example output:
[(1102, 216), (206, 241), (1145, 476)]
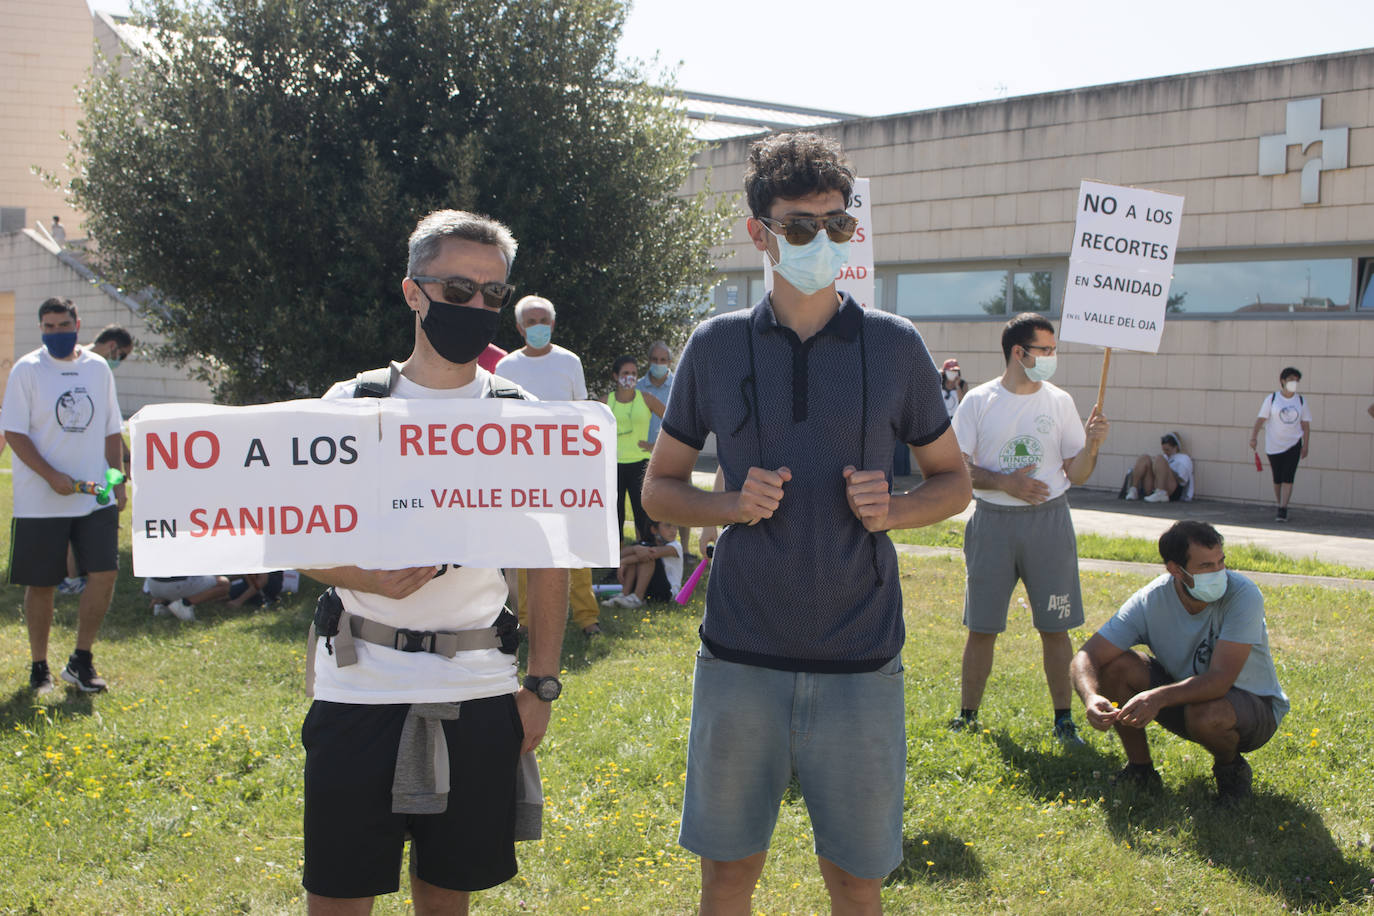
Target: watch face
[(549, 689)]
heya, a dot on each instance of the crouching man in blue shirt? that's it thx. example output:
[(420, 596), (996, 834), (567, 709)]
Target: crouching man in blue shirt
[(799, 671), (1210, 679)]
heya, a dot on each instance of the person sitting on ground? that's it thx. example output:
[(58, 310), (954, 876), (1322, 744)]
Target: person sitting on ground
[(1210, 679), (1165, 478), (652, 572), (261, 589), (176, 595)]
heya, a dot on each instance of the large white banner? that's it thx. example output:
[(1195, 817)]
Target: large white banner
[(380, 483), (1120, 267), (855, 277)]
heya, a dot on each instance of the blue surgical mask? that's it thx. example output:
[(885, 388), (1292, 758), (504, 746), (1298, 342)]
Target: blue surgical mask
[(1208, 587), (114, 361), (813, 266), (1043, 370), (538, 335), (60, 344), (658, 371)]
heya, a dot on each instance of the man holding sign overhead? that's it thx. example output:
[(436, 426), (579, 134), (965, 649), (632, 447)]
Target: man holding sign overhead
[(1025, 446)]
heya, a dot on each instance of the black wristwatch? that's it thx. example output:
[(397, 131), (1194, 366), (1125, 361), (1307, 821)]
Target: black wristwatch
[(547, 689)]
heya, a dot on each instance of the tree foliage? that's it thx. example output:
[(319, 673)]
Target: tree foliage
[(262, 164)]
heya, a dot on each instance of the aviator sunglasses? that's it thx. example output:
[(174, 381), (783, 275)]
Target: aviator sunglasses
[(802, 229), (460, 290)]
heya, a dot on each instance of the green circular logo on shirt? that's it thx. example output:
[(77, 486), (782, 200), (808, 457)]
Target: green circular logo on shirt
[(1021, 451)]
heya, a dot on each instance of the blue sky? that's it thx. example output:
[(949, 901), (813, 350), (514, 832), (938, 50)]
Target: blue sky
[(886, 56)]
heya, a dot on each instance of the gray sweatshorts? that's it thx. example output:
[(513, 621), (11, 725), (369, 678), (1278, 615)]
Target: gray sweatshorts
[(1034, 544), (171, 590)]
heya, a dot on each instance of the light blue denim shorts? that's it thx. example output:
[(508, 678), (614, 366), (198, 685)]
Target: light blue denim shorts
[(842, 735)]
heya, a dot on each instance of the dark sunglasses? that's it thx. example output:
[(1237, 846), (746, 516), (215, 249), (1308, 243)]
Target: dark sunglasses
[(460, 290), (802, 229)]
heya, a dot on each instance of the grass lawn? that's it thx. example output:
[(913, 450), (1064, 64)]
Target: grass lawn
[(179, 790)]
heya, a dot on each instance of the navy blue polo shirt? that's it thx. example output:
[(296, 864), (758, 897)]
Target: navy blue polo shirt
[(808, 589)]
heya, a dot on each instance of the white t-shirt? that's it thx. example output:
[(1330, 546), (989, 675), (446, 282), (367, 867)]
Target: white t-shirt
[(67, 408), (1002, 431), (1182, 466), (1284, 416), (555, 376), (951, 399), (460, 598), (672, 567)]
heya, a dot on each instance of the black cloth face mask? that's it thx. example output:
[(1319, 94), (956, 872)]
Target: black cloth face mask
[(458, 333)]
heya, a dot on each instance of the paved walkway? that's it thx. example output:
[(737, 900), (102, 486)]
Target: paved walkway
[(1346, 538)]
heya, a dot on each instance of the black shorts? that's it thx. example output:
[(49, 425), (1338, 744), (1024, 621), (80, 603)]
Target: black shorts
[(658, 584), (1178, 491), (38, 546), (1254, 714), (353, 840), (1284, 465)]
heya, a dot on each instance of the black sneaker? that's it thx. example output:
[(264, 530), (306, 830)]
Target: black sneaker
[(961, 724), (1233, 779), (40, 679), (1143, 777), (80, 672), (1282, 514), (1066, 733)]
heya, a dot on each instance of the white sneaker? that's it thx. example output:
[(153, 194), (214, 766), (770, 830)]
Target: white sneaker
[(613, 601), (631, 601), (181, 609), (1158, 496), (160, 609), (1133, 493)]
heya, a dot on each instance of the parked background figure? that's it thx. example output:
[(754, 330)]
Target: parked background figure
[(550, 373), (658, 381), (58, 232), (1164, 478), (1287, 423), (953, 387), (633, 409)]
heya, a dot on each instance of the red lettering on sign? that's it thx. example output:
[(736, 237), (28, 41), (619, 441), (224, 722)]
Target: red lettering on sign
[(410, 436)]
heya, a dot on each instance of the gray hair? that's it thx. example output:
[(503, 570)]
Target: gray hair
[(660, 343), (431, 231), (532, 302)]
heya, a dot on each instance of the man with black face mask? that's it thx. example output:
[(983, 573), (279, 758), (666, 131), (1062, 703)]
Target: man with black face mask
[(366, 787), (62, 420)]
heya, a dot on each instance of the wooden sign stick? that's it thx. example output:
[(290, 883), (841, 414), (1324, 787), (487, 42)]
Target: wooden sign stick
[(1102, 385)]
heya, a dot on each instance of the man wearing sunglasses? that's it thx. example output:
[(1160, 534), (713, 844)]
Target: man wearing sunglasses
[(359, 806), (799, 671), (1025, 446)]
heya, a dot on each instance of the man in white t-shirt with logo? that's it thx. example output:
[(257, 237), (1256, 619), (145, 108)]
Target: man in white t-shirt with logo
[(427, 667), (1025, 447), (551, 373), (62, 419)]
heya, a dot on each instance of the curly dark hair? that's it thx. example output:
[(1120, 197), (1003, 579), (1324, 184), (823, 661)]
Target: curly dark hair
[(794, 165)]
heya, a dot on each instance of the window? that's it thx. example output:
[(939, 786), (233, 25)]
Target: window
[(964, 293), (973, 293), (1365, 286), (1299, 286)]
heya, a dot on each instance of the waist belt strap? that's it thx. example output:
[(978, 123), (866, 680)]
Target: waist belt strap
[(447, 644)]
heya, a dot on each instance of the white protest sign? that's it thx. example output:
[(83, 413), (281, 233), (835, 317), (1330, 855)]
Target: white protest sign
[(855, 277), (1120, 267), (380, 483)]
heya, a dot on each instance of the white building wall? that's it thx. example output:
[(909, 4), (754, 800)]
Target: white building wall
[(31, 269)]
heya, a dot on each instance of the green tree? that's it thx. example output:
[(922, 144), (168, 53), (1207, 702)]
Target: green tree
[(262, 163)]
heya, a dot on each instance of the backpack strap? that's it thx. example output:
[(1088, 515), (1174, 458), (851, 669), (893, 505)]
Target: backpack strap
[(498, 387), (376, 383)]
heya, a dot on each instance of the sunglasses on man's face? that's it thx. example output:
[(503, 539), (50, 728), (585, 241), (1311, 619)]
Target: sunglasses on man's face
[(801, 230), (460, 290)]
